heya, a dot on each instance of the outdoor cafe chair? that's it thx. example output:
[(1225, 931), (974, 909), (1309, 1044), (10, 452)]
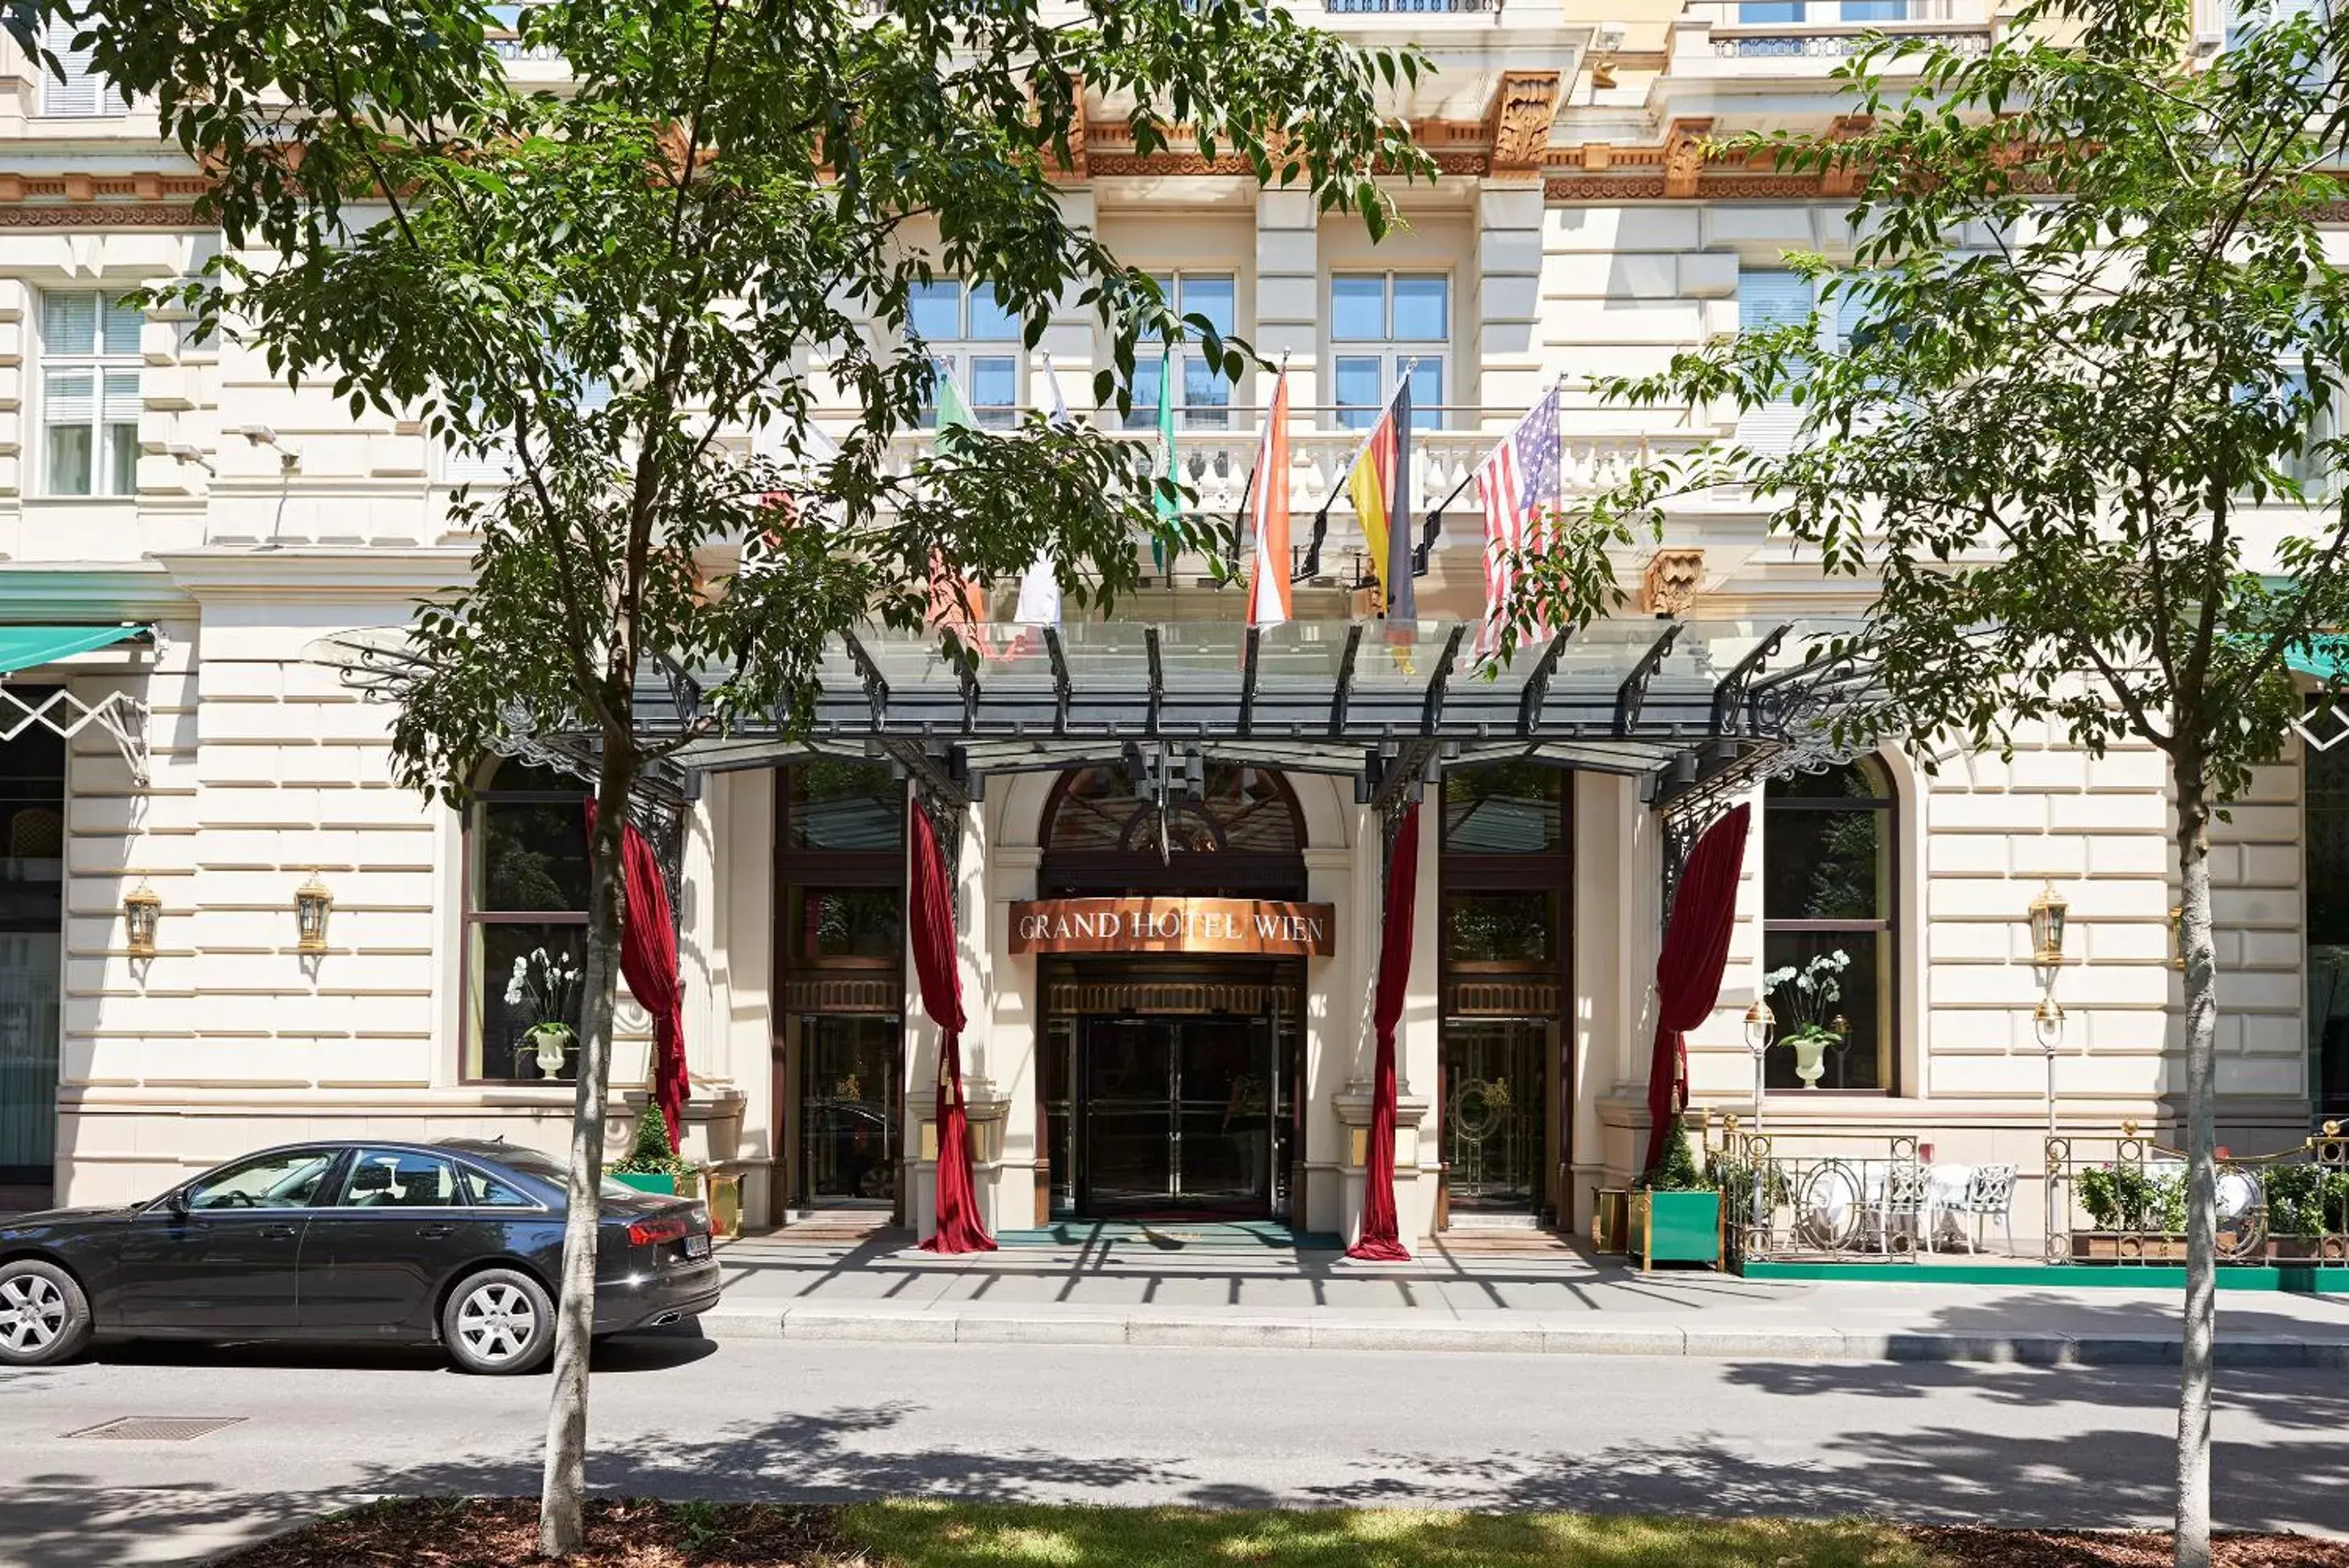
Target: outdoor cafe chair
[(1989, 1190)]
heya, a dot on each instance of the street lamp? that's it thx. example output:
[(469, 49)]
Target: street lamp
[(1761, 1024), (2047, 1021), (2046, 915)]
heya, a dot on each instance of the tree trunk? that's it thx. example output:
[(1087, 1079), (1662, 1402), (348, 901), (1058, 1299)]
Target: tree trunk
[(2199, 1327), (561, 1524)]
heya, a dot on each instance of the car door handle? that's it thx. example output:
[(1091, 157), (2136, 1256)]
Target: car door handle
[(434, 1233), (279, 1233)]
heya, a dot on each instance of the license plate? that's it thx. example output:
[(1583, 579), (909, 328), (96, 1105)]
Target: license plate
[(697, 1246)]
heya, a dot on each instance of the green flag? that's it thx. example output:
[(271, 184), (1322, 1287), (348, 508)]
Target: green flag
[(1165, 505), (953, 412)]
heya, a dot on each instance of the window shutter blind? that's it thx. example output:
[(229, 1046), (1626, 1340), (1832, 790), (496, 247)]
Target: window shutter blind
[(68, 398), (492, 467), (69, 322), (123, 321), (1767, 297), (82, 91)]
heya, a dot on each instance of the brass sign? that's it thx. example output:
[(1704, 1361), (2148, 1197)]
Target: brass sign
[(1268, 928)]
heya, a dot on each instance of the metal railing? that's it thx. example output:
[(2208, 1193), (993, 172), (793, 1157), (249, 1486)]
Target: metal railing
[(2123, 1201), (1859, 1197)]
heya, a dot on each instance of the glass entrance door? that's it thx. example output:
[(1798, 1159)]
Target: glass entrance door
[(1493, 1087), (850, 1073), (1176, 1117)]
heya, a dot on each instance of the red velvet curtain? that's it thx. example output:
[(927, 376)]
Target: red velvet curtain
[(1380, 1241), (648, 964), (930, 918), (1688, 970)]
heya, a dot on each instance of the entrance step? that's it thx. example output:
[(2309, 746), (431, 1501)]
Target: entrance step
[(1504, 1240), (1175, 1235), (1472, 1220), (836, 1228)]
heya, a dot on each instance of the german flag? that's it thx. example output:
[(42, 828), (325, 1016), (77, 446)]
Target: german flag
[(1379, 487)]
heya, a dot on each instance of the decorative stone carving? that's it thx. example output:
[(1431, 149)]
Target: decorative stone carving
[(1840, 180), (1524, 106), (1673, 580), (1684, 155)]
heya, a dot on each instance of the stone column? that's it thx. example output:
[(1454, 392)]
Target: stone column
[(1289, 294)]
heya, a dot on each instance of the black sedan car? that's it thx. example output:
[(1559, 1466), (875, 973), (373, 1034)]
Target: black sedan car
[(459, 1241)]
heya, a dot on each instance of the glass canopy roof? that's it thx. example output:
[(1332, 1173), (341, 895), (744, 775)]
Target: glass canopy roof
[(1672, 700)]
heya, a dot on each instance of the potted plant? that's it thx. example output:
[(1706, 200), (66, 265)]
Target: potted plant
[(1805, 1006), (544, 987), (2307, 1205), (2137, 1213), (652, 1164), (1675, 1213)]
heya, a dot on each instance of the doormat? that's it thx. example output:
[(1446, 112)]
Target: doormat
[(1176, 1235)]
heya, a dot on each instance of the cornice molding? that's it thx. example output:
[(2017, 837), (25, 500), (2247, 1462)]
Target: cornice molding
[(297, 572)]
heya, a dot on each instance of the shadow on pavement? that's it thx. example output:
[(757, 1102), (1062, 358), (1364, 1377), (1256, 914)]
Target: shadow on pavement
[(655, 1350)]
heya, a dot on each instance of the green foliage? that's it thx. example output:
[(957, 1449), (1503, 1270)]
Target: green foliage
[(1676, 1169), (2305, 1200), (2122, 1196), (651, 1153), (599, 283), (2038, 438)]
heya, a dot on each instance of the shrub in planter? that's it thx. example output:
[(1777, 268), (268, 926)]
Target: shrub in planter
[(1676, 1212), (651, 1164), (2131, 1198)]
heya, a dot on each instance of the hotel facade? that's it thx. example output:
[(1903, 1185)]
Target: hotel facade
[(1168, 838)]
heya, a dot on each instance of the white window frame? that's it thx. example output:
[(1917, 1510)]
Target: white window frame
[(1771, 428), (1393, 353), (958, 356), (102, 362), (496, 466), (83, 93), (1188, 416)]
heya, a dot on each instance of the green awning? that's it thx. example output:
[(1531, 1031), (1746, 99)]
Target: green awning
[(23, 647)]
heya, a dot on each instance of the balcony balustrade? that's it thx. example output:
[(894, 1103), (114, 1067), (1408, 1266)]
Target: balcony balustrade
[(1709, 33), (1215, 463)]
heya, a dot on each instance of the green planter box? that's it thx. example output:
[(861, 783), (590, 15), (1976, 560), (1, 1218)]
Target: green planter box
[(1676, 1227), (683, 1186)]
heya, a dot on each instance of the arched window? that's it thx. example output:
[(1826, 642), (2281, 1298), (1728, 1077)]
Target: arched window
[(1243, 835), (525, 918), (1828, 894)]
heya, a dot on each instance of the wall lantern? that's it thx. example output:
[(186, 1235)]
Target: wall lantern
[(142, 908), (2047, 929), (312, 901)]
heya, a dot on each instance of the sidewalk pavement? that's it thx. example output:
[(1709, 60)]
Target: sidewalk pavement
[(1555, 1303)]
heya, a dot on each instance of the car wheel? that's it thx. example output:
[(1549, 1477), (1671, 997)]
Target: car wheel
[(498, 1322), (44, 1316)]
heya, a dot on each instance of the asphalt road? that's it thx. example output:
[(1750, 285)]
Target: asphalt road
[(681, 1416)]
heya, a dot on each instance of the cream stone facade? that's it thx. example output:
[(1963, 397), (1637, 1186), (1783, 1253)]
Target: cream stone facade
[(1577, 228)]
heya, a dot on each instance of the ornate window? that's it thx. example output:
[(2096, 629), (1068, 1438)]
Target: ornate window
[(526, 919), (1828, 892), (1242, 836)]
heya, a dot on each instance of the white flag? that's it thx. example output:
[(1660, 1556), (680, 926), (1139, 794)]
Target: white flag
[(1039, 585)]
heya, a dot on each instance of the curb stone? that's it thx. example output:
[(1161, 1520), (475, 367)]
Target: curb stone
[(1727, 1342)]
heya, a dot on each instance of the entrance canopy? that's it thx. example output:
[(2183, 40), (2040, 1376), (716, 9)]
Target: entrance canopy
[(1687, 707)]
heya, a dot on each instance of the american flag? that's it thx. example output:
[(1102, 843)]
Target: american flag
[(1517, 484)]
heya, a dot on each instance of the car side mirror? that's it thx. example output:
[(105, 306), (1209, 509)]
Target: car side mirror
[(177, 1203)]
